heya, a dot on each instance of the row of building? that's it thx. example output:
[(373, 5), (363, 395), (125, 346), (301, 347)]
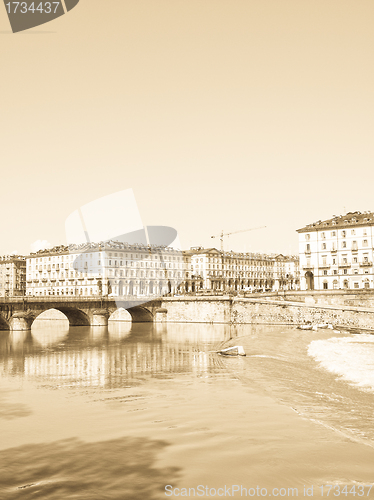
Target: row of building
[(119, 269), (337, 253)]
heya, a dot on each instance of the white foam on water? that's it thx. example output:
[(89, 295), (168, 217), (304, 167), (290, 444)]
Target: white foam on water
[(351, 358)]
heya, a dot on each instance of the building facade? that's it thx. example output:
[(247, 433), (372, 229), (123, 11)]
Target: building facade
[(286, 272), (110, 268), (338, 253), (12, 276), (233, 272)]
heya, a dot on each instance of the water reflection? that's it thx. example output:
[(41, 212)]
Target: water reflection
[(105, 356), (119, 330), (47, 334)]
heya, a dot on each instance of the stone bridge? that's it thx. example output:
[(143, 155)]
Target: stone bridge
[(19, 313), (340, 310)]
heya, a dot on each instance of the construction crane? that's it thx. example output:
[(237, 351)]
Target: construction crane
[(220, 236)]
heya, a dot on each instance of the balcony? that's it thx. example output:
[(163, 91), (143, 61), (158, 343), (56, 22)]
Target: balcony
[(345, 264), (44, 280), (334, 250), (308, 267), (307, 252), (324, 266), (366, 264)]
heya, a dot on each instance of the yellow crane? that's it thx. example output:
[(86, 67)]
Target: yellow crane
[(220, 236)]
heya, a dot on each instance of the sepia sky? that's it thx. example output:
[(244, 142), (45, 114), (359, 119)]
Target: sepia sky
[(219, 114)]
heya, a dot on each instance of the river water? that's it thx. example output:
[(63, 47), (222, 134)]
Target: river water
[(149, 411)]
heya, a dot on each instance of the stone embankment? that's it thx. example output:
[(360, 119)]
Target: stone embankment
[(265, 310)]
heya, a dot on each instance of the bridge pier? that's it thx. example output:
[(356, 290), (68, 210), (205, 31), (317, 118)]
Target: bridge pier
[(160, 315), (100, 317), (21, 321)]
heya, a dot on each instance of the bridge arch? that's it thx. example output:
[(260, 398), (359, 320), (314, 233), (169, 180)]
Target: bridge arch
[(120, 314), (140, 314), (4, 325), (76, 317)]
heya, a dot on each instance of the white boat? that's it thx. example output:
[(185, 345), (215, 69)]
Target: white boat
[(236, 350)]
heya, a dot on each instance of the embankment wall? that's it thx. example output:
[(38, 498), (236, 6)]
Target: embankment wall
[(264, 311)]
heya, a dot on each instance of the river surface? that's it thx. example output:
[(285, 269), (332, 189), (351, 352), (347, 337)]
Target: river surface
[(149, 411)]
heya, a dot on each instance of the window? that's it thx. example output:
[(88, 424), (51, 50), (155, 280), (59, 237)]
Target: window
[(334, 261), (325, 285), (308, 248), (323, 236), (353, 231), (355, 260), (365, 243), (325, 272), (333, 233), (335, 271), (344, 244), (307, 236), (343, 234), (345, 271), (323, 246)]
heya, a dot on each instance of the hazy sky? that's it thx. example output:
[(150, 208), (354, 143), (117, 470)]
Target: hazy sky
[(219, 114)]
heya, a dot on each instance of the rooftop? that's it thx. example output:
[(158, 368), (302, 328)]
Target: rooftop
[(351, 219), (103, 245), (241, 255)]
